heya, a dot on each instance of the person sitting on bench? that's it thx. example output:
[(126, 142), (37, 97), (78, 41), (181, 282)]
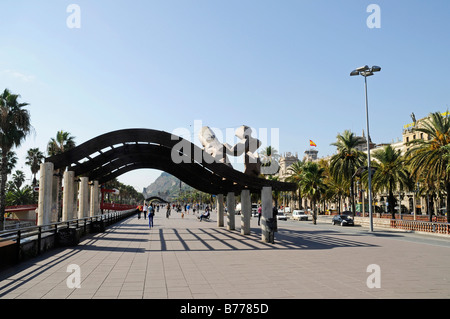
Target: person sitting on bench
[(205, 214)]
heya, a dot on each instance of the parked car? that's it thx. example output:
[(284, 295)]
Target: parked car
[(238, 209), (298, 214), (281, 216), (343, 220)]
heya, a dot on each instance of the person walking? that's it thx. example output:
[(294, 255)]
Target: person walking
[(151, 213), (145, 210), (168, 211), (259, 214), (139, 211)]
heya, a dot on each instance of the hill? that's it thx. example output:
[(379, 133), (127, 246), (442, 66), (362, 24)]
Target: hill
[(166, 186)]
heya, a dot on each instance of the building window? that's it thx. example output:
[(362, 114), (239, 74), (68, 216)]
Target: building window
[(407, 139)]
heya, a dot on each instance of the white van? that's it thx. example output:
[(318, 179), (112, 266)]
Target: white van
[(298, 214)]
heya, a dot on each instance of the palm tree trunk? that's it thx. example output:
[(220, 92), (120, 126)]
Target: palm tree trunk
[(428, 209), (447, 188), (391, 201), (4, 176), (353, 198), (339, 205), (314, 211)]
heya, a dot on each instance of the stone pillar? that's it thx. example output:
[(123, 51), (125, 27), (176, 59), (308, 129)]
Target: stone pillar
[(84, 198), (75, 199), (219, 210), (266, 206), (231, 207), (45, 193), (56, 185), (94, 203), (246, 211), (68, 194)]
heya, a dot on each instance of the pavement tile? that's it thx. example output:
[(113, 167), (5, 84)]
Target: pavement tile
[(186, 259)]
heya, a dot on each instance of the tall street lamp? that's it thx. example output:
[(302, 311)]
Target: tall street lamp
[(366, 71)]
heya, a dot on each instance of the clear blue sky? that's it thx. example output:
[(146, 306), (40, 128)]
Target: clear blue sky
[(267, 64)]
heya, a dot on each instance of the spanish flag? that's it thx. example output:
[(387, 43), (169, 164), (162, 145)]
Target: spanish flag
[(311, 143)]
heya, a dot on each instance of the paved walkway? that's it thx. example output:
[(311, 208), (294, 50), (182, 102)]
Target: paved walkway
[(185, 258)]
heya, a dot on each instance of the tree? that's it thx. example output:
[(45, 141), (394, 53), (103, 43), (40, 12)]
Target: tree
[(347, 160), (15, 126), (19, 196), (63, 142), (428, 158), (11, 161), (34, 159), (295, 171), (18, 178), (312, 184), (391, 173)]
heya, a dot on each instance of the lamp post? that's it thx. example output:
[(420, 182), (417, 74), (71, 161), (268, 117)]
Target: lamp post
[(366, 71)]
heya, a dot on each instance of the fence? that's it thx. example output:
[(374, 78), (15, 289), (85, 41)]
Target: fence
[(417, 225), (25, 215), (20, 244)]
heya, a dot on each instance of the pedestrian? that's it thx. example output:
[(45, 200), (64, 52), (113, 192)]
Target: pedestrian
[(274, 216), (139, 211), (151, 213), (259, 214), (145, 210), (168, 211)]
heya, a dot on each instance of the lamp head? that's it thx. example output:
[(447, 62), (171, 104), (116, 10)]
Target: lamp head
[(376, 68), (362, 68), (354, 72)]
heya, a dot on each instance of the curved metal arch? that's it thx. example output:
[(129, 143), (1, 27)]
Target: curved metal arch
[(125, 150), (127, 158), (155, 198)]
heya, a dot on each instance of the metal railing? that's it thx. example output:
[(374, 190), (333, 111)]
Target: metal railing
[(22, 235), (416, 225)]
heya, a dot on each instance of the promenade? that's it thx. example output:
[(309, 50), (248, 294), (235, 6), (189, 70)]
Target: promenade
[(183, 258)]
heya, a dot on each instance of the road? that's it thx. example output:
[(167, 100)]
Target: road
[(324, 222)]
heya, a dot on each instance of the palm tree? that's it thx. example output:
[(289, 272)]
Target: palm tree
[(11, 161), (15, 126), (391, 173), (295, 171), (427, 158), (20, 196), (34, 159), (63, 142), (312, 184), (347, 160), (18, 178)]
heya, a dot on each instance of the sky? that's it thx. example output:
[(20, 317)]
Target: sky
[(280, 67)]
